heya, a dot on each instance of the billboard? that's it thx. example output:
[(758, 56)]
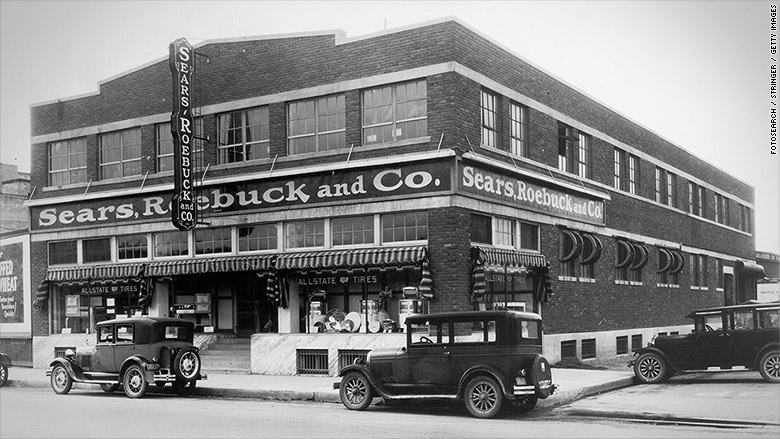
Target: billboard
[(184, 210), (15, 290)]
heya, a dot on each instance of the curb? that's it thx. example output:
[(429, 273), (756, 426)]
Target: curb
[(670, 419), (567, 396)]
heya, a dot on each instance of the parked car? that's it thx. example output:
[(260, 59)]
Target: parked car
[(484, 358), (133, 353), (5, 362), (742, 337)]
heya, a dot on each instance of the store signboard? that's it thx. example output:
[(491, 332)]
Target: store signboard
[(183, 204), (527, 193), (332, 187), (15, 291)]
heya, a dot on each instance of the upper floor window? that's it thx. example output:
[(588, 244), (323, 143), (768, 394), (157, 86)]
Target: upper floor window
[(408, 226), (164, 141), (568, 139), (63, 252), (718, 208), (529, 236), (96, 250), (583, 156), (171, 244), (120, 154), (68, 162), (671, 189), (303, 234), (132, 247), (481, 229), (695, 199), (698, 270), (745, 221), (489, 119), (631, 258), (352, 231), (670, 264), (316, 125), (505, 232), (395, 112), (626, 172), (257, 237), (660, 186), (518, 130), (213, 241), (243, 135)]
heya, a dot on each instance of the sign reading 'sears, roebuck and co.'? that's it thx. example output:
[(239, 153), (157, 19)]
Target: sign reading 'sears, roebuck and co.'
[(184, 209)]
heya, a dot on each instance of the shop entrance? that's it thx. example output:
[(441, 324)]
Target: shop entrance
[(254, 313)]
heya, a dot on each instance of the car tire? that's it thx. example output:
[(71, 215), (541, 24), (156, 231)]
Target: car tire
[(650, 368), (134, 382), (3, 375), (61, 381), (109, 388), (186, 364), (355, 391), (769, 366), (184, 388), (483, 397), (541, 377)]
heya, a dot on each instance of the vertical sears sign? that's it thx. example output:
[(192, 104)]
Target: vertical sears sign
[(183, 206)]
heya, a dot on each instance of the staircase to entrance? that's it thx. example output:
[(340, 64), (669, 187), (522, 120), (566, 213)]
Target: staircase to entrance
[(227, 355)]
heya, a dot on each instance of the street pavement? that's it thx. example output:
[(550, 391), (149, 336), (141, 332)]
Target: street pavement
[(573, 384)]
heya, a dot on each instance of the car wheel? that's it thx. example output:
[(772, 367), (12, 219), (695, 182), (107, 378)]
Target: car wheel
[(525, 405), (184, 388), (186, 364), (61, 382), (650, 368), (134, 382), (3, 375), (355, 391), (770, 366), (541, 377), (109, 388), (483, 397)]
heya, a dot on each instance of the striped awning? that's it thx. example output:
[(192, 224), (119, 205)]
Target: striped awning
[(92, 272), (375, 257), (492, 256), (210, 265)]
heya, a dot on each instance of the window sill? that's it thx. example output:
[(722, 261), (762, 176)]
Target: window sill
[(587, 280), (567, 279), (667, 286), (629, 283)]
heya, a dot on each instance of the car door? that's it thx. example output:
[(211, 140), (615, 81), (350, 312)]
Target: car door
[(125, 343), (430, 367), (103, 359), (711, 344), (742, 338)]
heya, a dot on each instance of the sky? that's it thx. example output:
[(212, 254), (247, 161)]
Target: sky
[(696, 73)]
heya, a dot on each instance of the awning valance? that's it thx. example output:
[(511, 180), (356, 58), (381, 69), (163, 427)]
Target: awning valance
[(509, 258), (352, 258), (92, 272), (210, 265)]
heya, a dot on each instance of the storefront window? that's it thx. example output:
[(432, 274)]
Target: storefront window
[(304, 234), (257, 237), (132, 247), (352, 231), (76, 308), (213, 241), (410, 226), (96, 250), (63, 252), (171, 244)]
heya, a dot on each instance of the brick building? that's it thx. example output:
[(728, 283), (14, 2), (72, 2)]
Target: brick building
[(344, 182)]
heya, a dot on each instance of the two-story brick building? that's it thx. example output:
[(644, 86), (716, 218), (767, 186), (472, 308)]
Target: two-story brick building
[(344, 182)]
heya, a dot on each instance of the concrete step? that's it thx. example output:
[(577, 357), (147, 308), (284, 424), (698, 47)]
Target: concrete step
[(233, 341), (228, 347)]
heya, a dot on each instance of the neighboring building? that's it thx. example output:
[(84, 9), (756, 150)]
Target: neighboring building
[(424, 168), (14, 191), (769, 287)]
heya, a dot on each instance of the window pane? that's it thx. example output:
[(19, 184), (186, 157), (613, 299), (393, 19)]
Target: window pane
[(132, 247), (352, 231), (529, 236), (96, 250), (305, 234), (257, 237), (171, 244), (63, 252), (481, 229), (211, 241), (405, 227)]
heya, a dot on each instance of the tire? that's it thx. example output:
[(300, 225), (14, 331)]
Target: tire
[(541, 377), (483, 397), (184, 388), (769, 366), (109, 388), (186, 365), (355, 391), (134, 382), (3, 375), (650, 368), (525, 405), (61, 381)]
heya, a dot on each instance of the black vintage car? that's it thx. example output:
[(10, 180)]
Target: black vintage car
[(742, 337), (132, 353), (5, 361), (485, 358)]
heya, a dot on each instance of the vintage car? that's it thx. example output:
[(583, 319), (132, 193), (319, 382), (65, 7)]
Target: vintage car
[(5, 361), (132, 353), (742, 337), (484, 358)]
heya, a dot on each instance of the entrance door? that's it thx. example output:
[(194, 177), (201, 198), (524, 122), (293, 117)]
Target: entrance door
[(225, 314)]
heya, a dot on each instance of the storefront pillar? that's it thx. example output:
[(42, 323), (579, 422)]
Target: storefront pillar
[(290, 317)]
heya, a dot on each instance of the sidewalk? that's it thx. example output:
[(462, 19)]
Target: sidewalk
[(572, 384)]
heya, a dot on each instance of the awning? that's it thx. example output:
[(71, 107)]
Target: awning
[(510, 258), (352, 258), (751, 268), (83, 273), (210, 265)]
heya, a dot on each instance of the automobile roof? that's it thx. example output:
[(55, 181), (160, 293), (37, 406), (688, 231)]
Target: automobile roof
[(750, 304), (474, 315)]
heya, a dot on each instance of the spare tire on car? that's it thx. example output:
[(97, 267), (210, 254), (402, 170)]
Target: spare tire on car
[(540, 376), (186, 364)]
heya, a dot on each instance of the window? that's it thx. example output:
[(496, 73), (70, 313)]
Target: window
[(529, 236), (569, 250), (588, 348), (698, 270), (583, 156), (622, 344), (518, 130), (243, 135), (316, 125), (670, 263), (352, 231), (410, 226), (631, 259), (591, 252), (745, 221), (120, 154), (505, 232), (396, 112), (474, 332), (696, 199), (96, 250), (626, 172), (132, 247), (633, 174), (481, 229), (106, 334), (671, 189), (213, 241), (124, 333), (569, 349), (568, 139), (171, 244), (67, 162), (303, 234), (742, 320), (702, 198), (257, 237), (768, 318), (489, 119), (63, 252), (636, 342), (660, 186), (719, 273), (164, 141)]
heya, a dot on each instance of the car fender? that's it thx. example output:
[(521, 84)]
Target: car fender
[(378, 387), (660, 353), (762, 352), (141, 361), (484, 370), (75, 372)]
